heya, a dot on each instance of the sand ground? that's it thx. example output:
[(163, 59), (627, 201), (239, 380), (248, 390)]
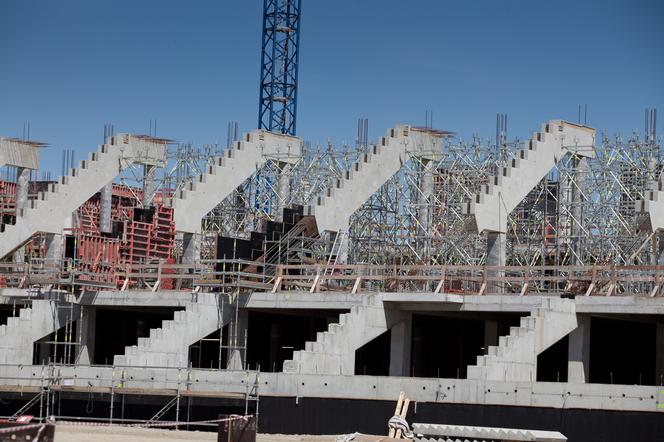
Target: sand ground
[(67, 433)]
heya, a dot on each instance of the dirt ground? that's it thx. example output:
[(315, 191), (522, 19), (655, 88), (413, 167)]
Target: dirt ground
[(67, 433)]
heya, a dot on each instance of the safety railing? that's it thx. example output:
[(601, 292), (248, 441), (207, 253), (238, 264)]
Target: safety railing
[(479, 280), (237, 274)]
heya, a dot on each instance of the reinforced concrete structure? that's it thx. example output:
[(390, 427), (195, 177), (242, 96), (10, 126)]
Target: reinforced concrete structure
[(504, 284)]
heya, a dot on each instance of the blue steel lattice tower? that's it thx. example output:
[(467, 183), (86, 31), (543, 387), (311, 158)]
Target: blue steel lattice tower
[(279, 60)]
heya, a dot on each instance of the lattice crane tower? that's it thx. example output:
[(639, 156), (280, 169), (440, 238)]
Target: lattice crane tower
[(279, 63)]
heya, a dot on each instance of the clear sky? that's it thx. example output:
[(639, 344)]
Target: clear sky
[(70, 66)]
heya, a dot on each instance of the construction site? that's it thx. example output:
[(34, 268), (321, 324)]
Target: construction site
[(512, 281)]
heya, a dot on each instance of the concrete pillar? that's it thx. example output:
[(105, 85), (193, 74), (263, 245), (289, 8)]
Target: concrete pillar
[(659, 355), (106, 200), (580, 165), (53, 246), (660, 248), (424, 199), (237, 339), (22, 187), (400, 346), (86, 335), (148, 185), (490, 334), (283, 190), (275, 347), (496, 255), (190, 248), (578, 364)]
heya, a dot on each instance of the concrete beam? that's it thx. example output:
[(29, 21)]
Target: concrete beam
[(298, 385)]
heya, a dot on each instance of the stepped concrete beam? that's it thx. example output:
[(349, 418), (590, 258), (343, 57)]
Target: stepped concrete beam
[(52, 208), (228, 172), (512, 184), (335, 206), (168, 346), (515, 356), (333, 352), (32, 324)]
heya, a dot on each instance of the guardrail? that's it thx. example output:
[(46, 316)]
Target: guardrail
[(237, 274), (605, 280)]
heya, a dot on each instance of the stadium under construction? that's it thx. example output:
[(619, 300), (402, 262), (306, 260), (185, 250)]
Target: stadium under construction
[(505, 282)]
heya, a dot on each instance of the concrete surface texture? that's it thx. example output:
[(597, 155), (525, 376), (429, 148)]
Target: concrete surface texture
[(515, 356), (19, 153), (334, 207), (51, 210), (653, 205), (168, 346), (20, 332), (333, 352), (228, 172), (513, 182)]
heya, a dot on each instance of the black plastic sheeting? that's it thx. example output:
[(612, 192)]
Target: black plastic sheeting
[(288, 415), (335, 416)]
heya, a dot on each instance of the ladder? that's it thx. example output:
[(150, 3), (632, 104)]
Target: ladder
[(28, 405), (334, 251), (252, 393), (163, 410)]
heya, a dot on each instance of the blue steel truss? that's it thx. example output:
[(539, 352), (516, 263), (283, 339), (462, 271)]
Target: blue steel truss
[(279, 62)]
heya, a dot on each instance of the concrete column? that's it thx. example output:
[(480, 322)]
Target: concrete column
[(275, 346), (53, 246), (490, 334), (283, 190), (400, 346), (86, 335), (237, 339), (148, 185), (190, 248), (660, 247), (496, 255), (578, 364), (22, 187), (106, 200), (659, 355), (424, 198), (580, 165)]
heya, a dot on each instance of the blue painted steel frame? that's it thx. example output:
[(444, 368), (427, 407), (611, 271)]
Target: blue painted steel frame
[(279, 66)]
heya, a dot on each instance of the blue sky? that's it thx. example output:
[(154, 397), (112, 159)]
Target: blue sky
[(70, 66)]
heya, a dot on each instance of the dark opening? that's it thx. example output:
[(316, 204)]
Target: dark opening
[(70, 246), (273, 337), (443, 346), (552, 362), (207, 352), (622, 352), (59, 347), (373, 358), (7, 311), (117, 328), (144, 215)]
